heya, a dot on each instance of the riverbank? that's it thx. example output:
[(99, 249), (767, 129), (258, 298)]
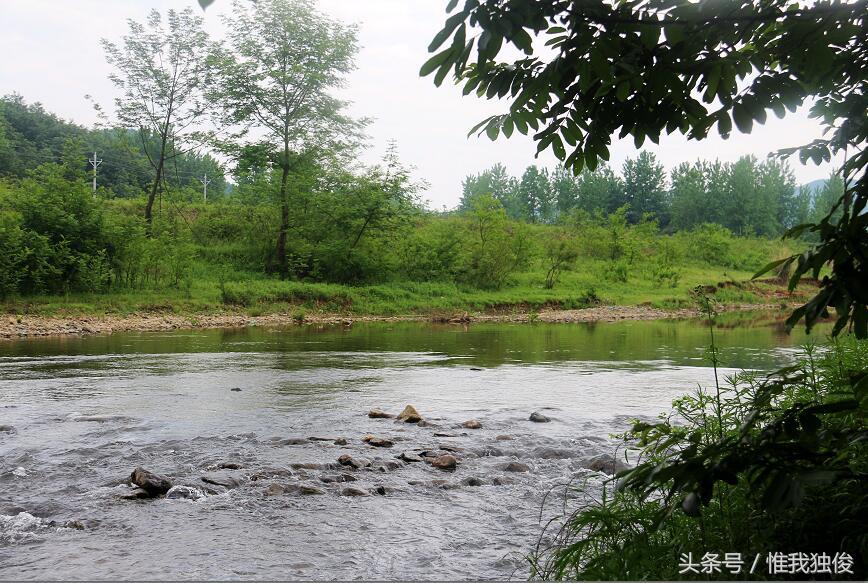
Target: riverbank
[(22, 326)]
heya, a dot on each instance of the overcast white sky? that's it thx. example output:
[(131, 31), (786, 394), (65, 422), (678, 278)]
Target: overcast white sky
[(52, 55)]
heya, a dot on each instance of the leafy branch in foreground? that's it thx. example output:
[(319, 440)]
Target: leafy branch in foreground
[(644, 69), (775, 464)]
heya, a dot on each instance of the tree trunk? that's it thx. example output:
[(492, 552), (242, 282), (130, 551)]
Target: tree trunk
[(282, 266), (149, 208)]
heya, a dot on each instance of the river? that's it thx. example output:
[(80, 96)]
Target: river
[(78, 414)]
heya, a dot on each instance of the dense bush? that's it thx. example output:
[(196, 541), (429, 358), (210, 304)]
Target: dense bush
[(756, 466), (54, 235)]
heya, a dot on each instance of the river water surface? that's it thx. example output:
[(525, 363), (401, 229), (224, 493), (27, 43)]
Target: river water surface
[(79, 414)]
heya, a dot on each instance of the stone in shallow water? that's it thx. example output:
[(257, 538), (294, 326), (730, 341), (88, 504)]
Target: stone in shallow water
[(335, 478), (410, 415), (7, 429), (273, 490), (516, 467), (303, 489), (377, 441), (185, 493), (537, 417), (294, 441), (356, 463), (136, 494), (502, 481), (605, 463), (379, 414), (229, 466), (472, 424), (445, 462), (473, 481), (220, 479), (409, 457), (504, 438), (353, 491), (386, 465), (153, 484), (340, 441)]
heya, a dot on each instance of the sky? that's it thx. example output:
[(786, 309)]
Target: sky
[(52, 55)]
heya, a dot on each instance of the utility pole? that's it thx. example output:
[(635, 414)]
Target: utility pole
[(95, 163), (205, 182)]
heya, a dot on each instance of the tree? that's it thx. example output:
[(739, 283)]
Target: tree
[(601, 190), (284, 62), (645, 187), (495, 181), (647, 68), (161, 70), (534, 195)]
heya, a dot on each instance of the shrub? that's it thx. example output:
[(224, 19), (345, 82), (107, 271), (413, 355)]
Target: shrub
[(758, 465)]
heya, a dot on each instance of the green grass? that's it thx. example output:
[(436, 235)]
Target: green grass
[(256, 295)]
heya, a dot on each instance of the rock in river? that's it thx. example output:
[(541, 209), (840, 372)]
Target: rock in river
[(352, 491), (153, 484), (334, 478), (136, 494), (379, 414), (516, 467), (538, 417), (385, 465), (377, 441), (605, 463), (445, 462), (185, 493), (221, 479), (355, 463), (409, 457), (472, 424), (7, 429), (409, 415)]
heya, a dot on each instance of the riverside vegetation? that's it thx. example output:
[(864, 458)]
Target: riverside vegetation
[(363, 242)]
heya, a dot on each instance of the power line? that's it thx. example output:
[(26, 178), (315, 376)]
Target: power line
[(95, 163), (205, 182)]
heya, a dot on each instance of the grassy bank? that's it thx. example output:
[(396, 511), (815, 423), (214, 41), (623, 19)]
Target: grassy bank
[(256, 295)]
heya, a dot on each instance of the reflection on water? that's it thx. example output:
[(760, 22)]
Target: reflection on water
[(85, 411)]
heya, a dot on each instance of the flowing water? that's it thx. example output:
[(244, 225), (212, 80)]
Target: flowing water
[(77, 415)]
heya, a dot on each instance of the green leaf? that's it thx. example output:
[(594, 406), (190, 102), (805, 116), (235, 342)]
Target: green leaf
[(771, 266), (742, 117), (622, 90), (435, 62), (492, 130), (508, 127), (451, 24), (724, 124)]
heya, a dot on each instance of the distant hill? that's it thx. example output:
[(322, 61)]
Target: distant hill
[(814, 185)]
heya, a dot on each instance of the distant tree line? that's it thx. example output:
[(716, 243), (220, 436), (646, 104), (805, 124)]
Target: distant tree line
[(748, 197), (30, 136)]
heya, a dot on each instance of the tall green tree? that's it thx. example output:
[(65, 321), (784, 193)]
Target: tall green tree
[(600, 190), (277, 82), (645, 187), (495, 181), (534, 192), (647, 68), (161, 70)]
